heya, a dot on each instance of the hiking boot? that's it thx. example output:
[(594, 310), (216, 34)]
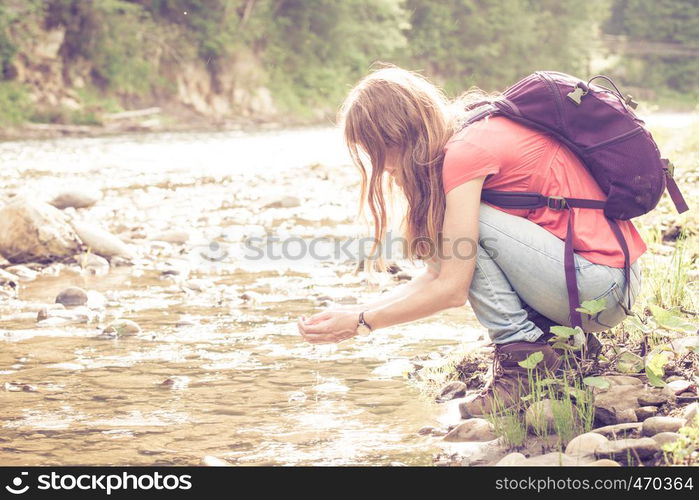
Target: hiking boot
[(509, 381)]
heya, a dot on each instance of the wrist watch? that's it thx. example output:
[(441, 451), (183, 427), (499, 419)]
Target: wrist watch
[(363, 327)]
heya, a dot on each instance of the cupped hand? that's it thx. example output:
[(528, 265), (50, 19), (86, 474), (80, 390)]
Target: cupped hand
[(328, 327)]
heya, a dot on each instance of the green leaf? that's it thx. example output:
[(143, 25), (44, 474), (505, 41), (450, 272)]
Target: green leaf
[(532, 360), (636, 323), (548, 381), (563, 331), (655, 367), (579, 394), (599, 382), (671, 321), (629, 362), (592, 307)]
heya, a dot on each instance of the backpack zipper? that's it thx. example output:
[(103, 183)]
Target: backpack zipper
[(619, 137)]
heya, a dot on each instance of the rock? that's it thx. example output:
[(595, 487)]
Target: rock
[(93, 264), (452, 390), (610, 405), (622, 449), (55, 316), (645, 412), (604, 462), (653, 397), (8, 280), (102, 242), (403, 276), (76, 198), (72, 297), (474, 429), (284, 202), (656, 425), (121, 328), (35, 231), (512, 459), (617, 430), (552, 459), (626, 416), (432, 431), (209, 461), (22, 272), (540, 416), (173, 236), (585, 444), (690, 412), (663, 438), (185, 322), (677, 387)]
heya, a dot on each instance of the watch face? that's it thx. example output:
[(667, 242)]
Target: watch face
[(363, 330)]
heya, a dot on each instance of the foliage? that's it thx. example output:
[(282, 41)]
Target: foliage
[(15, 106), (685, 450)]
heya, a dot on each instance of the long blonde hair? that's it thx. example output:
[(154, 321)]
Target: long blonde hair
[(398, 112)]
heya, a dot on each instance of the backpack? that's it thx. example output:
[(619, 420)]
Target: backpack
[(598, 125)]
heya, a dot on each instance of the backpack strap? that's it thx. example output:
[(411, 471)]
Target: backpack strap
[(528, 200), (672, 188)]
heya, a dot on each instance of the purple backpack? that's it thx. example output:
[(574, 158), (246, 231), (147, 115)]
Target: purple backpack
[(600, 127)]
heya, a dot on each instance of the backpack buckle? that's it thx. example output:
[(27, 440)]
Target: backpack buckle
[(556, 203), (669, 167)]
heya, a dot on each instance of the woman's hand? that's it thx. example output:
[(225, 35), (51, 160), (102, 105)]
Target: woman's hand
[(329, 327)]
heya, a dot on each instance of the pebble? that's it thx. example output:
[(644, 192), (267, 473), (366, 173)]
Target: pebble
[(585, 444), (656, 425), (403, 276), (198, 285), (472, 430), (552, 459), (645, 412), (432, 431), (677, 387), (72, 296), (120, 328), (663, 438), (623, 448), (690, 412), (284, 202), (102, 242)]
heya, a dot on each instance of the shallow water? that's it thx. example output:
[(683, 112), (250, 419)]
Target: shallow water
[(219, 368)]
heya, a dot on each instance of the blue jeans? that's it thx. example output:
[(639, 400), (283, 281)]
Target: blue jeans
[(520, 266)]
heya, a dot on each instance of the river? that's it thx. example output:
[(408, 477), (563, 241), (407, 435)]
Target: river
[(219, 368)]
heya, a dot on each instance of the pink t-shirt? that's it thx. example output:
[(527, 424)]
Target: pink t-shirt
[(517, 158)]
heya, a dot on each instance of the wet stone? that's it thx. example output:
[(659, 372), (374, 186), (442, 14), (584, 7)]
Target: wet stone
[(23, 273), (72, 297), (451, 391), (121, 328), (93, 264), (102, 242), (656, 425)]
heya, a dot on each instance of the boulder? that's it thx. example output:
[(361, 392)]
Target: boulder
[(102, 242), (619, 430), (120, 328), (32, 231), (474, 429)]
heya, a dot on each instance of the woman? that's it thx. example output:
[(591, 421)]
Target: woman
[(397, 123)]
